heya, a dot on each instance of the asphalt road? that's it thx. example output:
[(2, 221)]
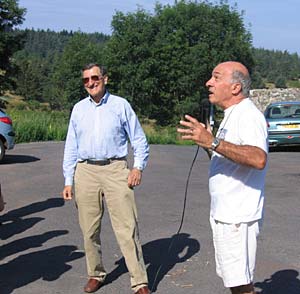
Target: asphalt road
[(41, 247)]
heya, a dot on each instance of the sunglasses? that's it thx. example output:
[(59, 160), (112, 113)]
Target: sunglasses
[(94, 78)]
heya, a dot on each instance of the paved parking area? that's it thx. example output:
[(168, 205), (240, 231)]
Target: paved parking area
[(41, 248)]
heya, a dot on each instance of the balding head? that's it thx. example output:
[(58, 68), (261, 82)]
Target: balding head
[(235, 66), (239, 74), (229, 84)]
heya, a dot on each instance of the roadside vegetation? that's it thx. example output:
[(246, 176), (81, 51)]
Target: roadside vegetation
[(33, 126), (37, 125), (33, 122)]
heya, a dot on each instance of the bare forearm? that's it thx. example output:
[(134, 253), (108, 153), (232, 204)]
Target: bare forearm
[(243, 154)]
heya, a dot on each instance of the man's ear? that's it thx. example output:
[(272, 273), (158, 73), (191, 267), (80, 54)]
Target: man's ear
[(105, 80), (236, 88)]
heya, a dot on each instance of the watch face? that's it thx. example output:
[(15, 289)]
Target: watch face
[(215, 143)]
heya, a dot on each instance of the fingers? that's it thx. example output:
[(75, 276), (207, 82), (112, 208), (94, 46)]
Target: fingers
[(208, 127), (191, 119), (190, 122), (134, 178), (185, 131), (67, 193), (194, 130), (132, 182), (191, 126), (68, 197)]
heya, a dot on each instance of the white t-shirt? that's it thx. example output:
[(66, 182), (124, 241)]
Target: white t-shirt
[(237, 191)]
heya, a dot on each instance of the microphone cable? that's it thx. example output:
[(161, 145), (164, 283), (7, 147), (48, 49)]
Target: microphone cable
[(182, 216), (186, 190)]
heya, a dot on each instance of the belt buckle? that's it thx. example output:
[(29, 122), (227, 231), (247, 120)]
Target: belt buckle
[(105, 162)]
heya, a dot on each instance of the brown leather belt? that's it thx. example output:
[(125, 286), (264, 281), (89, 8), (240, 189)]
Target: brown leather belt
[(104, 161)]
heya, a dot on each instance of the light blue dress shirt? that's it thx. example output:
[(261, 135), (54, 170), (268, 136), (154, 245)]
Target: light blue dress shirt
[(100, 131)]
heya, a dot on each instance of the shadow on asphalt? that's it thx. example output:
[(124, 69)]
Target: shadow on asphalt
[(160, 257), (47, 264), (12, 159), (13, 223), (281, 282), (14, 215), (23, 244)]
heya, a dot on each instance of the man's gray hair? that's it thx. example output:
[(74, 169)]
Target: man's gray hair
[(102, 68), (244, 80)]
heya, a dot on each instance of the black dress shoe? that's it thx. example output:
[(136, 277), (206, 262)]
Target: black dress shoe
[(92, 285)]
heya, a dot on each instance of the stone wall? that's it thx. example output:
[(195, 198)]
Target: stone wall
[(263, 97)]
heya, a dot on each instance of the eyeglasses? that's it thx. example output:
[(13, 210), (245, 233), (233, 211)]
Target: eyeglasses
[(94, 78)]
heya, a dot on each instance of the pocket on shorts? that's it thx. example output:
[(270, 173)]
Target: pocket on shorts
[(230, 243)]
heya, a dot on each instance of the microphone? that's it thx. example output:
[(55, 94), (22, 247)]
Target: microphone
[(205, 119), (204, 111)]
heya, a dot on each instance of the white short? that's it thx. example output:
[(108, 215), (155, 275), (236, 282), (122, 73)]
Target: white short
[(235, 251)]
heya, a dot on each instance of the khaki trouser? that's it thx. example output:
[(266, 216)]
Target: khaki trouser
[(92, 182)]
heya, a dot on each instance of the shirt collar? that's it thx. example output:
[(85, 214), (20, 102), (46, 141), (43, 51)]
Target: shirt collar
[(103, 99)]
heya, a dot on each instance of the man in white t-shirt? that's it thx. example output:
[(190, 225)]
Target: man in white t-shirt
[(237, 173)]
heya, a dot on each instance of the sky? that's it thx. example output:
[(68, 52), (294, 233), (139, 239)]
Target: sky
[(274, 24)]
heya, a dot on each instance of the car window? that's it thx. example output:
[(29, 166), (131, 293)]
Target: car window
[(297, 111), (281, 111)]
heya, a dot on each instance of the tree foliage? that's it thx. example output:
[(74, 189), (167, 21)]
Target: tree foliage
[(31, 76), (11, 15), (66, 88), (161, 62), (276, 66)]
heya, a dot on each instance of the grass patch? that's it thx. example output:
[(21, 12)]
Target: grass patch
[(293, 84), (33, 126), (163, 135)]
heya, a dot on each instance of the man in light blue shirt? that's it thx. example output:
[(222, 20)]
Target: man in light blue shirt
[(95, 162)]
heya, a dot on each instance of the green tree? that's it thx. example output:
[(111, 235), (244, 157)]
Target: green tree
[(280, 82), (274, 65), (160, 61), (65, 86), (257, 81), (31, 76), (11, 15)]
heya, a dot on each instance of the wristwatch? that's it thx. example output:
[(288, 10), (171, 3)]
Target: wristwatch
[(215, 143), (139, 168)]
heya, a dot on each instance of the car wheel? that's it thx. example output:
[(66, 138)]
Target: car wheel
[(2, 150)]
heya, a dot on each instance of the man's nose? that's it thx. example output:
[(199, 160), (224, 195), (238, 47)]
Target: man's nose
[(91, 83), (208, 83)]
